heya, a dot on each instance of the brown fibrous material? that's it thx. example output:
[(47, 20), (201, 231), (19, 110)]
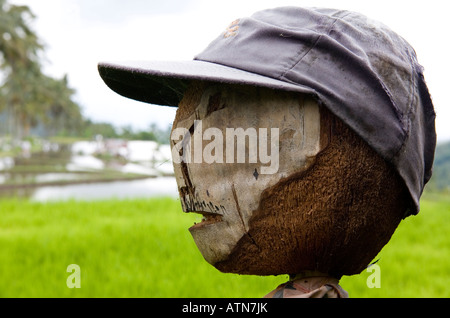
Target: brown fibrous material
[(333, 218)]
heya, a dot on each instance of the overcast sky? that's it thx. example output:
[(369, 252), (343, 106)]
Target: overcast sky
[(80, 33)]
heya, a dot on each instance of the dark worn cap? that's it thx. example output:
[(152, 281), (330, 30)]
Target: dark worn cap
[(359, 69)]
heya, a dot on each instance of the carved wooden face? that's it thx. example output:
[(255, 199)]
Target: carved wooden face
[(242, 141), (282, 185)]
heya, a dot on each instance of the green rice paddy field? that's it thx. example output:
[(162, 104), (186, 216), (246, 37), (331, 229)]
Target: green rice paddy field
[(142, 248)]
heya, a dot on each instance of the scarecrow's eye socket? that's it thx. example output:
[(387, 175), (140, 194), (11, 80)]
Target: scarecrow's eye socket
[(215, 103), (191, 100)]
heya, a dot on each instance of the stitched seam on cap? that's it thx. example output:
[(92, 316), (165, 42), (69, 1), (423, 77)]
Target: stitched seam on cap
[(315, 43), (398, 113), (407, 126)]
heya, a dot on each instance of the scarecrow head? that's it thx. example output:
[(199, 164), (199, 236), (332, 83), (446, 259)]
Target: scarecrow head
[(283, 185), (302, 136)]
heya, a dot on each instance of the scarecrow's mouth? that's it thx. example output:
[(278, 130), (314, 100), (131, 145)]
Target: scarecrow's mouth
[(207, 219)]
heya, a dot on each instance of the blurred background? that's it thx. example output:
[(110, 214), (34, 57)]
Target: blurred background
[(83, 170)]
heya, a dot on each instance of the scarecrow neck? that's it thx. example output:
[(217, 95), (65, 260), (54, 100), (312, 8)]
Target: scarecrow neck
[(309, 284)]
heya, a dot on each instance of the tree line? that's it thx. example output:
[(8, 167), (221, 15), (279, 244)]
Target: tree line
[(106, 130), (28, 97), (441, 168), (32, 101)]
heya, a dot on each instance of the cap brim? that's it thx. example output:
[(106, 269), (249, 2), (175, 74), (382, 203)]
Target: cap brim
[(164, 83)]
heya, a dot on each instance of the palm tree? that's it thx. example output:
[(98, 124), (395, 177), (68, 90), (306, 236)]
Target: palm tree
[(28, 95), (61, 112), (19, 61)]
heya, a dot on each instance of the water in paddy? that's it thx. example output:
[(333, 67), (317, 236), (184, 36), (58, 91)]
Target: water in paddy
[(62, 174)]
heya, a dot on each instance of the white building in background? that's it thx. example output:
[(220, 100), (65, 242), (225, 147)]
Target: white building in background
[(144, 157)]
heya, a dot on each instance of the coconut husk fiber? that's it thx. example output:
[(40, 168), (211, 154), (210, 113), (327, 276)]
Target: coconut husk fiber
[(333, 218)]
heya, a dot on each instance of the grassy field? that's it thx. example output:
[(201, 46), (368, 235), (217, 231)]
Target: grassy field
[(142, 248)]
